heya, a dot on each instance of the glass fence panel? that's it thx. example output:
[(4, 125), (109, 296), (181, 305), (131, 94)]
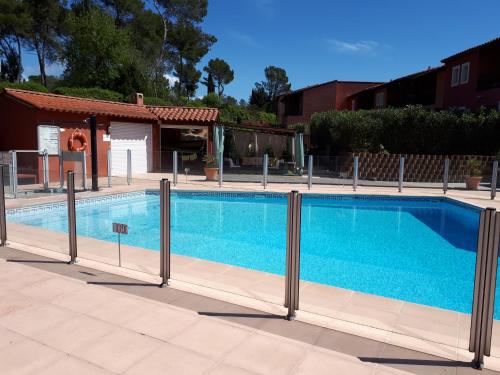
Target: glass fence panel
[(120, 226), (400, 265), (378, 170), (234, 242), (333, 170), (495, 338)]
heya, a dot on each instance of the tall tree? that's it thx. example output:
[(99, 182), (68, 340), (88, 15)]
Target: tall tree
[(209, 82), (13, 19), (221, 73), (98, 54), (276, 83), (123, 11), (42, 31)]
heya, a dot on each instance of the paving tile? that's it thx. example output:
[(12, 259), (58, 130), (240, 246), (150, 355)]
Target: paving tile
[(117, 351), (26, 357), (84, 300), (73, 366), (31, 320), (295, 330), (229, 370), (8, 338), (49, 289), (162, 322), (422, 327), (349, 344), (266, 355), (121, 309), (168, 359), (11, 301), (69, 335), (210, 338), (323, 363)]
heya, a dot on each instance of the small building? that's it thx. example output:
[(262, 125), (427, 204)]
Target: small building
[(298, 106), (145, 130), (424, 88), (467, 80)]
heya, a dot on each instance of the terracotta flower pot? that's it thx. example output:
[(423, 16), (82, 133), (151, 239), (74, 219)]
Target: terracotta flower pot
[(212, 174), (472, 182)]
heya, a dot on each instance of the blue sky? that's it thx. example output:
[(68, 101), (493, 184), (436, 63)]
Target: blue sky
[(322, 40)]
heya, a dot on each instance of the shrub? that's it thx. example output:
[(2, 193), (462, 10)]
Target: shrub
[(30, 86), (412, 129), (91, 93), (151, 100)]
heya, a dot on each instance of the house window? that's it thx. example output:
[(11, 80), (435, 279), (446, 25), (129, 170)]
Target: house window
[(379, 100), (464, 73), (455, 76)]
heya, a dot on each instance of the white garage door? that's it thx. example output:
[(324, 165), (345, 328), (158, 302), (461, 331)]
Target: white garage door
[(134, 137)]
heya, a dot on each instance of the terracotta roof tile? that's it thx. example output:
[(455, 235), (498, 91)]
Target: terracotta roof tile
[(62, 103), (185, 114)]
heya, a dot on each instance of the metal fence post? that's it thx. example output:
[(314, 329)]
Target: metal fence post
[(355, 173), (401, 173), (13, 174), (265, 167), (164, 232), (310, 164), (71, 217), (484, 286), (110, 166), (494, 174), (45, 163), (175, 167), (129, 167), (221, 169), (84, 170), (3, 217), (292, 276), (446, 174)]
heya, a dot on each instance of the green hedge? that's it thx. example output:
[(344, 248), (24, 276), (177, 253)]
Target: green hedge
[(30, 86), (412, 129), (91, 93), (151, 100), (236, 114)]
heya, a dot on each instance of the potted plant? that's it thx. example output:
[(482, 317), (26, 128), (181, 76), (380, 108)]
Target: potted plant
[(210, 169), (473, 178)]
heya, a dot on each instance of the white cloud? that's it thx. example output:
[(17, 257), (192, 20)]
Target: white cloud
[(366, 47), (171, 79)]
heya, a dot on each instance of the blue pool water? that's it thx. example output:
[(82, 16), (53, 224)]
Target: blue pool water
[(413, 249)]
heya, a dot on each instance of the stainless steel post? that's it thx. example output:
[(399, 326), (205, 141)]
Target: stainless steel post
[(221, 169), (45, 163), (292, 278), (129, 167), (13, 173), (401, 173), (265, 168), (71, 217), (3, 217), (355, 173), (110, 166), (164, 232), (446, 174), (494, 174), (175, 167), (84, 170), (484, 286), (310, 172)]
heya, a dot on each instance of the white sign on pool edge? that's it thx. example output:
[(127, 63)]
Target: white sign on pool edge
[(48, 139)]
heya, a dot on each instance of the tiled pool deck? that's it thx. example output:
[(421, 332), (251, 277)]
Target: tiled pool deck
[(429, 330)]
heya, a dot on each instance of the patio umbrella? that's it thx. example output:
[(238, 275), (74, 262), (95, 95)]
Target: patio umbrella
[(218, 142), (299, 151)]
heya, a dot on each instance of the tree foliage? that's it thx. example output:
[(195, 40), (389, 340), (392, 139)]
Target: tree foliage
[(265, 93), (221, 74)]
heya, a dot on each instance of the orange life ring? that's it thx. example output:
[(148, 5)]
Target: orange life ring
[(81, 137)]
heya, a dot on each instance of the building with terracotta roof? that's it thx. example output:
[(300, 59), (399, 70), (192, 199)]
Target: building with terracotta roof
[(150, 132)]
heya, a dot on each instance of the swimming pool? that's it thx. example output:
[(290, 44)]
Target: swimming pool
[(419, 250)]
